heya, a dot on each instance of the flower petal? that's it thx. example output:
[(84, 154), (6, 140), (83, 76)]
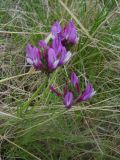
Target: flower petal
[(33, 56), (42, 44), (52, 59), (87, 93), (63, 53), (56, 28), (74, 79), (70, 33), (57, 46), (68, 99), (65, 56), (29, 60)]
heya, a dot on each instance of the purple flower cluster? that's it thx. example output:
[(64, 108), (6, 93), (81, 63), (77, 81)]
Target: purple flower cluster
[(67, 35), (72, 93), (49, 57)]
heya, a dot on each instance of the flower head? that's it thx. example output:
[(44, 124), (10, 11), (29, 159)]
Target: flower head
[(47, 58), (70, 33), (67, 34), (72, 95), (57, 55)]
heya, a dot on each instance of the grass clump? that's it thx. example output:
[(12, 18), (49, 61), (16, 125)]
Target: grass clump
[(46, 130)]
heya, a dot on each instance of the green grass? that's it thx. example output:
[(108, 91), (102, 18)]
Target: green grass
[(33, 122)]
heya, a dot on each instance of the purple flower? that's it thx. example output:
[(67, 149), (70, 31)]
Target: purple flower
[(75, 81), (55, 60), (48, 58), (70, 96), (87, 93), (70, 33), (52, 59), (57, 46), (56, 29), (57, 55), (67, 34), (68, 99), (42, 44), (65, 56), (33, 56)]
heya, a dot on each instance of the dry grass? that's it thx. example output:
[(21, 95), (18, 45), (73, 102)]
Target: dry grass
[(34, 123)]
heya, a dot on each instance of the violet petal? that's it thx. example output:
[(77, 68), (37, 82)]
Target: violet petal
[(75, 81), (42, 44), (56, 28), (52, 59), (57, 46), (68, 99), (33, 56), (70, 33), (65, 56), (87, 93)]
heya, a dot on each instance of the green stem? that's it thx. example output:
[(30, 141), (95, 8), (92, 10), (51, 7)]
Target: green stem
[(25, 106), (50, 83)]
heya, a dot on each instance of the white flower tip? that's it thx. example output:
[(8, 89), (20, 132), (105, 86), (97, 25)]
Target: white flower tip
[(29, 61), (77, 40), (93, 93), (68, 56), (49, 37), (55, 64)]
